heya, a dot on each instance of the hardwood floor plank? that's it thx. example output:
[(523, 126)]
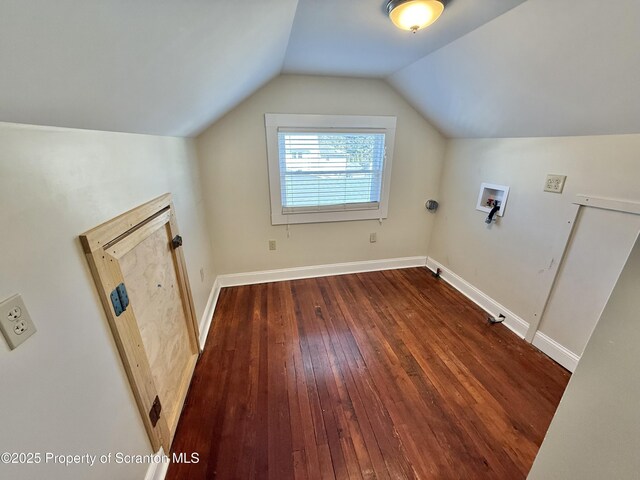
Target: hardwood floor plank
[(280, 453), (355, 372), (245, 465), (300, 391), (381, 371), (388, 374), (312, 320)]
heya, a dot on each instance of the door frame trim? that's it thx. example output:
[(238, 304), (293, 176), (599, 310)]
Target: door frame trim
[(106, 272), (561, 247)]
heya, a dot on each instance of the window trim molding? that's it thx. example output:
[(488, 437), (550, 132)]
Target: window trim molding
[(275, 121)]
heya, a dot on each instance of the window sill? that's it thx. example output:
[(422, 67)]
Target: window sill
[(324, 217)]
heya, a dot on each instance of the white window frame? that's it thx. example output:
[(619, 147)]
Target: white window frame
[(276, 121)]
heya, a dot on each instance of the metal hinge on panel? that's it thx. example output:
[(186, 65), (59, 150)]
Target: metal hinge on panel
[(154, 413), (176, 242), (119, 299)]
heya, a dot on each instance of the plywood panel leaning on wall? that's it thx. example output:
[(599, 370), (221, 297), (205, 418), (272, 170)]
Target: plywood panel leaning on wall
[(137, 263)]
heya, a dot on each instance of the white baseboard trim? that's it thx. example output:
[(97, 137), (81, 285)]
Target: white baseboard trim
[(207, 316), (512, 321), (157, 471), (251, 278), (560, 354)]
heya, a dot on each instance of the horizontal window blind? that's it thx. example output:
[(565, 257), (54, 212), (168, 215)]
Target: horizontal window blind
[(324, 171)]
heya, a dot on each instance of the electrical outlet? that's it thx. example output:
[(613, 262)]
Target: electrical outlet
[(272, 244), (373, 237), (20, 327), (554, 183), (15, 323), (15, 313)]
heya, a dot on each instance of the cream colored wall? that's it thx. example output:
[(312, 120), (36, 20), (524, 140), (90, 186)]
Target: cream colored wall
[(594, 433), (510, 260), (232, 155), (64, 390)]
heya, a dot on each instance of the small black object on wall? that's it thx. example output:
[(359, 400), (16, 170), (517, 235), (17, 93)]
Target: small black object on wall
[(431, 205)]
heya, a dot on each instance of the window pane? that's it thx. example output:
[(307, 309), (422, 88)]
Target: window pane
[(325, 169)]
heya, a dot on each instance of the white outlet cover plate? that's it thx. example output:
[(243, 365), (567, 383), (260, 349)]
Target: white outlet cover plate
[(554, 183), (15, 322)]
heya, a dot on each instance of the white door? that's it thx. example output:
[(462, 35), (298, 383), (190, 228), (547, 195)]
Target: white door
[(597, 252)]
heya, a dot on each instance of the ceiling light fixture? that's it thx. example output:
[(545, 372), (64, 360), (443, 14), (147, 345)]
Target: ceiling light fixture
[(414, 15)]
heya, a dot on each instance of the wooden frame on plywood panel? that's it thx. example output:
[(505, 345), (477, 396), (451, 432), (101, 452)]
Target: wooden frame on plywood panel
[(105, 247)]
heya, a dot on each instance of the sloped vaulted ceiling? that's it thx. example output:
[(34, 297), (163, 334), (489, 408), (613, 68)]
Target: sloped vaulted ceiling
[(545, 68), (167, 67), (487, 68)]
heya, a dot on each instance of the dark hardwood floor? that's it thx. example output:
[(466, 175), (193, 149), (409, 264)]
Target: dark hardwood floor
[(377, 375)]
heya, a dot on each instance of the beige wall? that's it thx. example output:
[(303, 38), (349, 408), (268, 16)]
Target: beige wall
[(594, 433), (509, 260), (232, 154), (65, 390)]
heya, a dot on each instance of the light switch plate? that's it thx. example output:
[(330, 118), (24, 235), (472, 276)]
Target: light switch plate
[(554, 183), (15, 322)]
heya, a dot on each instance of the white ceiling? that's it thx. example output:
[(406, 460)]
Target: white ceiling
[(487, 68), (167, 67), (356, 38), (545, 68)]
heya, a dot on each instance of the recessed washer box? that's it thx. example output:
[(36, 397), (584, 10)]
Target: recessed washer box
[(490, 193)]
